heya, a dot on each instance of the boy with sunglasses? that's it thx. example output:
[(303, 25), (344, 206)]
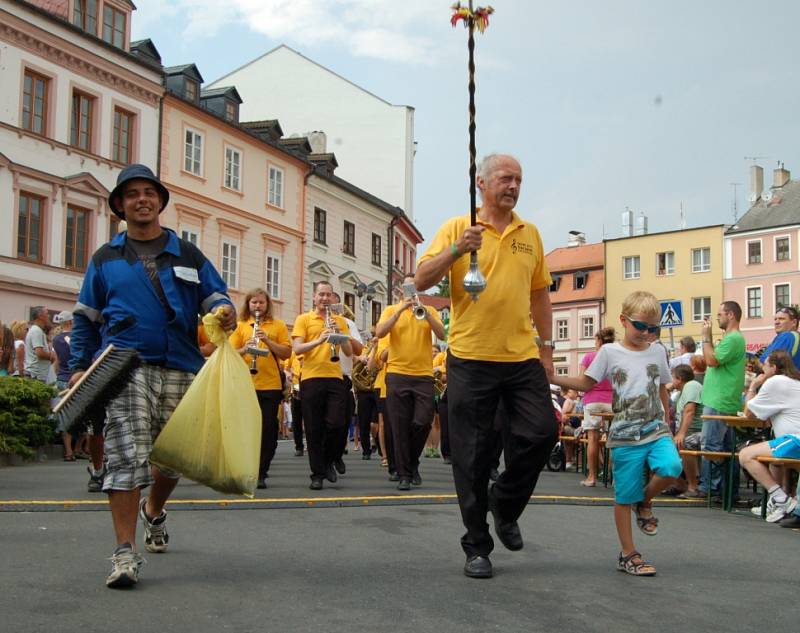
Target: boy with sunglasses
[(639, 435)]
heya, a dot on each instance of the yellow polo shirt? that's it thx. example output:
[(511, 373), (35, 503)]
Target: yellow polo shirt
[(293, 363), (317, 362), (380, 378), (440, 362), (409, 342), (267, 377), (497, 327)]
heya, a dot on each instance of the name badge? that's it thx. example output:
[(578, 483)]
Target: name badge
[(187, 274)]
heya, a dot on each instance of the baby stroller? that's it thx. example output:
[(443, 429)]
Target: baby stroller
[(557, 460)]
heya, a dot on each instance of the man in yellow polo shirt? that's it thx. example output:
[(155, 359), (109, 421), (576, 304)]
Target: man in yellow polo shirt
[(409, 382), (492, 356), (322, 391)]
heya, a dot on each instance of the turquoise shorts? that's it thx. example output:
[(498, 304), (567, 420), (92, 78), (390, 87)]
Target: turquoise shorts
[(786, 447), (660, 456)]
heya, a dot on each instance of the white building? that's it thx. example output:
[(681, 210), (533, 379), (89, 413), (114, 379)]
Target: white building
[(75, 107), (373, 139)]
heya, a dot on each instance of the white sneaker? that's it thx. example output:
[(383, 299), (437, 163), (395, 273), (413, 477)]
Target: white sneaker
[(125, 565), (155, 531), (756, 510), (776, 511)]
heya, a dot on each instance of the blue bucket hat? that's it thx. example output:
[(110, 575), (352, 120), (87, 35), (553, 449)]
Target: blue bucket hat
[(136, 172)]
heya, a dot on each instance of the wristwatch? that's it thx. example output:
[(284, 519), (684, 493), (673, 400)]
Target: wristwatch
[(544, 342)]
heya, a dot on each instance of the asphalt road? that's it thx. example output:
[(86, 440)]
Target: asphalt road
[(368, 566)]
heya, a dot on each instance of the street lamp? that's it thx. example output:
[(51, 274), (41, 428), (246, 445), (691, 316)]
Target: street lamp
[(365, 294)]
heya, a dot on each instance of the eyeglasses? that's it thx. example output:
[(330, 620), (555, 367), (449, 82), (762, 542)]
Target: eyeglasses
[(642, 326), (791, 312)]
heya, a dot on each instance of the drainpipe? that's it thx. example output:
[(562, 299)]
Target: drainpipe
[(390, 251)]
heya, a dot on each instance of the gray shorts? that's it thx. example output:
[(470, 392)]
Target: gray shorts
[(592, 421), (692, 442), (134, 420)]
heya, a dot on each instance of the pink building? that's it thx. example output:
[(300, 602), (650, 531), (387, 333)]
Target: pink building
[(762, 266), (577, 295)]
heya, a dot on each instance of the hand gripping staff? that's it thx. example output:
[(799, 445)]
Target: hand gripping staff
[(474, 281)]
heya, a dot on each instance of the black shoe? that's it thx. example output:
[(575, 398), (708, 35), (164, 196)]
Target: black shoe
[(790, 521), (493, 474), (478, 567), (507, 531), (345, 452), (330, 474), (446, 459), (366, 456), (405, 484), (95, 481), (393, 476), (339, 465), (262, 483), (298, 452), (316, 484), (416, 479)]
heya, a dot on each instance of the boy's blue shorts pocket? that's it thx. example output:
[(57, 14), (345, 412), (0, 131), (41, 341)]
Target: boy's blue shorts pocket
[(660, 456)]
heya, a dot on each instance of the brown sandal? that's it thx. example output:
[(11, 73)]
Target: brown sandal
[(648, 525), (635, 565)]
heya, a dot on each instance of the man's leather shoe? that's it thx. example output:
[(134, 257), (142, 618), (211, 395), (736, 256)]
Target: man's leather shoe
[(366, 456), (404, 484), (478, 567), (340, 467), (393, 476), (330, 474), (507, 531), (261, 484), (791, 521), (316, 484), (416, 479), (298, 452)]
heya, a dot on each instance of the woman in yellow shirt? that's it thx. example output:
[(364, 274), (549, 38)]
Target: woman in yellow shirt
[(271, 336)]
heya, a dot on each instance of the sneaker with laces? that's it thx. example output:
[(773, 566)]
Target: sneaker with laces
[(125, 565), (776, 510), (155, 531), (95, 480)]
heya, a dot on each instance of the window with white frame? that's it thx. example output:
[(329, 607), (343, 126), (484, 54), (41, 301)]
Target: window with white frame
[(754, 252), (701, 260), (562, 371), (782, 252), (230, 263), (630, 267), (562, 329), (275, 193), (233, 166), (665, 264), (193, 153), (587, 327), (191, 234), (754, 309), (782, 296), (274, 276), (701, 308)]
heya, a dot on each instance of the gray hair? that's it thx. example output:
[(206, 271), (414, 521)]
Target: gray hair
[(489, 163)]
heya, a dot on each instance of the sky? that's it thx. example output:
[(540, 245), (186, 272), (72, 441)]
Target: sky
[(652, 105)]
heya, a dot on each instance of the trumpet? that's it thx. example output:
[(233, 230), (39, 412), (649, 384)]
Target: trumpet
[(410, 292), (331, 325), (254, 350)]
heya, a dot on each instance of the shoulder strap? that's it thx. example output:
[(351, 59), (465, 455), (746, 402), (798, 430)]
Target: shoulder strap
[(796, 337)]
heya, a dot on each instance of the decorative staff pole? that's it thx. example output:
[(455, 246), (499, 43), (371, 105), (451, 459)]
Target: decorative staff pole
[(474, 281)]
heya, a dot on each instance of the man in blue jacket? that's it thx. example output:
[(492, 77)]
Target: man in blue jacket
[(143, 290), (786, 335)]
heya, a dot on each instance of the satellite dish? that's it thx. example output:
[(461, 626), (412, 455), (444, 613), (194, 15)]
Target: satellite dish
[(752, 197), (766, 196)]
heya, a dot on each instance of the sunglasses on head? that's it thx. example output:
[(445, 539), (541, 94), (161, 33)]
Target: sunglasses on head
[(791, 312), (642, 326)]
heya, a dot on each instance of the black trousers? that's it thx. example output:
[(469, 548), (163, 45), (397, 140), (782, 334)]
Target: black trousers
[(474, 390), (297, 423), (349, 411), (388, 436), (410, 399), (444, 425), (268, 401), (367, 415), (323, 402)]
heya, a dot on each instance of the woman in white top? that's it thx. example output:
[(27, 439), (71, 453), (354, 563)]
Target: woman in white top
[(775, 396), (20, 330)]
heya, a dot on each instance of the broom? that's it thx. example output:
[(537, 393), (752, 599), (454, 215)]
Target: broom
[(104, 379)]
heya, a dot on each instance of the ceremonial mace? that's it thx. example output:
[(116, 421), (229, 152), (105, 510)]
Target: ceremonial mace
[(474, 281)]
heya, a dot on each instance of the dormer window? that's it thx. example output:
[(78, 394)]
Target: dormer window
[(579, 280), (190, 90), (230, 111), (555, 284), (114, 26), (84, 15)]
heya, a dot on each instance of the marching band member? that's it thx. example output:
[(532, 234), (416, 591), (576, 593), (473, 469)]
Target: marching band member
[(322, 389), (294, 368), (377, 363), (440, 365), (409, 380), (492, 356), (367, 399), (257, 328)]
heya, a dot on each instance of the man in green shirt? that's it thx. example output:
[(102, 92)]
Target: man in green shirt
[(722, 390)]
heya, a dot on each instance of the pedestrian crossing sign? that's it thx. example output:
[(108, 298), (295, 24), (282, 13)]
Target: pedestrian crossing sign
[(671, 314)]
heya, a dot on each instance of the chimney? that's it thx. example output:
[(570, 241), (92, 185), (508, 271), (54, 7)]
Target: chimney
[(627, 223), (780, 177), (318, 141), (756, 182), (576, 238), (641, 224)]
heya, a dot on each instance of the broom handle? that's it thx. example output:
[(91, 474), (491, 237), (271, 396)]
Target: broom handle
[(81, 380)]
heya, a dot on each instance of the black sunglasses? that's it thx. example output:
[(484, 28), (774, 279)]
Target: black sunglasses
[(642, 326)]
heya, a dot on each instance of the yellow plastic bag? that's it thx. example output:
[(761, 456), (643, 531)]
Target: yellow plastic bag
[(214, 435)]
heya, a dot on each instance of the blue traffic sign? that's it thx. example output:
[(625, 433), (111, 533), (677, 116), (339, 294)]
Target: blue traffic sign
[(671, 314)]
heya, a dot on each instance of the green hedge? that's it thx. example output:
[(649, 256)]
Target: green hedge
[(25, 420)]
